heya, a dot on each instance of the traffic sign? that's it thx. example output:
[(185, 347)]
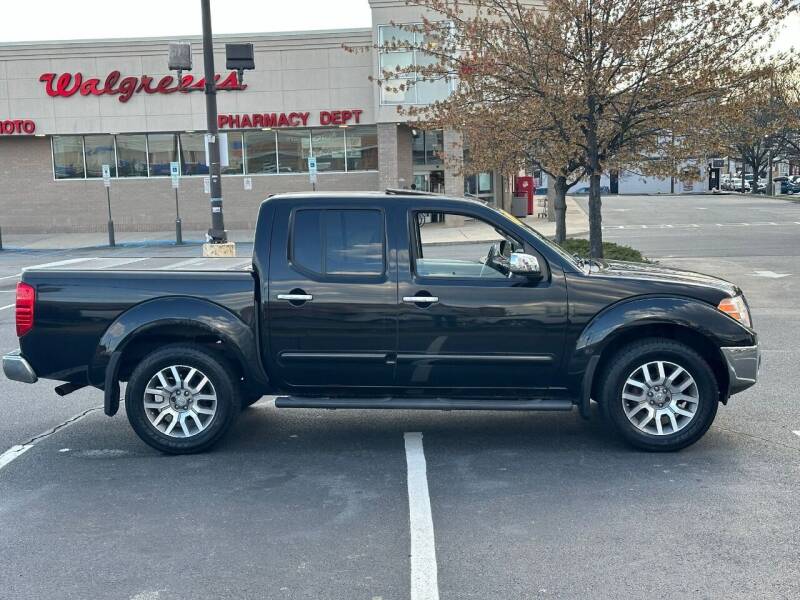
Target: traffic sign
[(106, 175), (175, 173), (312, 169)]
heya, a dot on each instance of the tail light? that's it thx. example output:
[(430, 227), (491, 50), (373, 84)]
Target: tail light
[(26, 297)]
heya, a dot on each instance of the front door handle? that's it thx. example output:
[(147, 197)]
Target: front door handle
[(421, 300), (296, 297)]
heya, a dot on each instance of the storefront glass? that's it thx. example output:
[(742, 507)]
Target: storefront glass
[(261, 154), (362, 148), (99, 151), (68, 157), (132, 155), (162, 150), (235, 154), (293, 150), (328, 147), (193, 154)]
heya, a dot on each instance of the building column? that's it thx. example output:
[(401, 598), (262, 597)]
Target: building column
[(453, 163), (394, 156)]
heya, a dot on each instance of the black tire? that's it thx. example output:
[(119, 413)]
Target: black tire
[(626, 361), (219, 374)]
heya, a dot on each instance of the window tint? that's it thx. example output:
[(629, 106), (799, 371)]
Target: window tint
[(339, 242), (68, 157), (99, 151)]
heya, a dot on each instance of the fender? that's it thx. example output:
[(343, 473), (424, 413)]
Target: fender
[(696, 315), (176, 310)]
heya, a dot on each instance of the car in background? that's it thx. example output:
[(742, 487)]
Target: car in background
[(584, 191)]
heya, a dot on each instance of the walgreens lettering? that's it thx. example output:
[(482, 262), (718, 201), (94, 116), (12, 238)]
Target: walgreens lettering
[(69, 84)]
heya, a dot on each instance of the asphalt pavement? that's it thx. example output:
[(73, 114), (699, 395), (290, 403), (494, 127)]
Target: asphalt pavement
[(316, 504)]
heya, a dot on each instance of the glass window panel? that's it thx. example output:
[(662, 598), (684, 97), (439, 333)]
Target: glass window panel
[(235, 154), (293, 150), (392, 61), (131, 156), (193, 154), (99, 151), (163, 149), (68, 157), (434, 146), (418, 147), (392, 34), (307, 240), (485, 183), (354, 242), (328, 147), (362, 148), (261, 157), (431, 90), (398, 91), (425, 59)]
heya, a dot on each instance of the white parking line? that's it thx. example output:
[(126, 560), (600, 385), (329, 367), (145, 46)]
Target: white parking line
[(7, 307), (424, 573), (15, 452), (797, 433)]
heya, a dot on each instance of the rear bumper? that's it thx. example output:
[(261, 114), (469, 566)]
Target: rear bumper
[(17, 368), (743, 366)]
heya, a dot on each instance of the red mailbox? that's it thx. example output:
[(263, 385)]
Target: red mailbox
[(524, 186)]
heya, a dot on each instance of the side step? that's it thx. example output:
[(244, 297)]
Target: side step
[(425, 403)]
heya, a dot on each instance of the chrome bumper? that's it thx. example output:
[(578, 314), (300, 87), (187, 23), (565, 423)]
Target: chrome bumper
[(17, 368), (743, 365)]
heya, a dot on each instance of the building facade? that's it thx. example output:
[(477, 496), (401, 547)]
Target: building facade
[(68, 108)]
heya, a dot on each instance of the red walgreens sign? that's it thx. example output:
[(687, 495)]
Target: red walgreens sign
[(69, 84), (17, 127)]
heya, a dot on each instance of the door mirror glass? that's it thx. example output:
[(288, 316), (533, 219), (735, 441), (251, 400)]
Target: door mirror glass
[(524, 264)]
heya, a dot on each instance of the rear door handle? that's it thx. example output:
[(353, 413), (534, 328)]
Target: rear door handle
[(420, 299)]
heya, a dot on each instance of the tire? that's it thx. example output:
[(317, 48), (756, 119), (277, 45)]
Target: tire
[(626, 375), (211, 395)]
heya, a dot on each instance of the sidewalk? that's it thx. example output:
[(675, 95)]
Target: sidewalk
[(577, 223)]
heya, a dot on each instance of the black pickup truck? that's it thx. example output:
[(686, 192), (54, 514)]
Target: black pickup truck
[(374, 300)]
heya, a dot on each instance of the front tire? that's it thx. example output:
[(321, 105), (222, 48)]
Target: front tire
[(660, 395), (182, 399)]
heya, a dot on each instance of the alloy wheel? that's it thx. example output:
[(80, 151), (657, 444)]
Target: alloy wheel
[(180, 401)]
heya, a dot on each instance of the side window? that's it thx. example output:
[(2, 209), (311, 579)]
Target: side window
[(462, 247), (339, 242)]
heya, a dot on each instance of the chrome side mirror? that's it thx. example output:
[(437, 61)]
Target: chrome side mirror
[(524, 264)]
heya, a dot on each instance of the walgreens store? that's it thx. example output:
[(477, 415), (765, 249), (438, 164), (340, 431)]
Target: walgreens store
[(67, 108)]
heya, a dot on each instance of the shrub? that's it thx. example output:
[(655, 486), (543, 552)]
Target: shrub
[(611, 251)]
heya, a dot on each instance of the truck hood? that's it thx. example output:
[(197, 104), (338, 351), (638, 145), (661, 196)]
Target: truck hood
[(650, 272)]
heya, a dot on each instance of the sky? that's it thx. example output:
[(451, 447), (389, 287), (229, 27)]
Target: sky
[(33, 20)]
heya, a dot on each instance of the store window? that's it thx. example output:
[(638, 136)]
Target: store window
[(68, 157), (262, 156), (362, 148), (427, 146), (99, 151), (235, 154), (328, 147), (294, 146), (132, 155), (162, 149), (193, 154)]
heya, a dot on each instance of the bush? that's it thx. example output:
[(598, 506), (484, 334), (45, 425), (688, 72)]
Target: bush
[(611, 251)]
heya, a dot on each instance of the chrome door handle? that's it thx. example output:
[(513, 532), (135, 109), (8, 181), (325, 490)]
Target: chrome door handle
[(296, 297), (420, 299)]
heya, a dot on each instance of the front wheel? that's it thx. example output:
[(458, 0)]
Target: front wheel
[(660, 395), (181, 399)]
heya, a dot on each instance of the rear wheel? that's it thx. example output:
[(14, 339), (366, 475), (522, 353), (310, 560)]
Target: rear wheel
[(181, 399), (660, 395)]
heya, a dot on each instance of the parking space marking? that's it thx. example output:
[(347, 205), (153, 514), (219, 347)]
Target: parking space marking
[(695, 225), (7, 307), (424, 573), (15, 452), (797, 433), (125, 261)]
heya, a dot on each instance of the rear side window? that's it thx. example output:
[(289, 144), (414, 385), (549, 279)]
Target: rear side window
[(339, 242)]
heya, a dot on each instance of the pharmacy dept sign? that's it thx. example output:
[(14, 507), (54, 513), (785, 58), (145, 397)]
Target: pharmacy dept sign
[(66, 85), (290, 119)]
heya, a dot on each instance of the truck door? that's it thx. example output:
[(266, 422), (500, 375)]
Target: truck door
[(465, 324), (332, 297)]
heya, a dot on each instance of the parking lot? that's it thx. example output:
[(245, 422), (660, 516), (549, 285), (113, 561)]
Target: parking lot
[(324, 504)]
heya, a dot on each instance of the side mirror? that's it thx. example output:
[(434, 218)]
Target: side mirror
[(524, 264)]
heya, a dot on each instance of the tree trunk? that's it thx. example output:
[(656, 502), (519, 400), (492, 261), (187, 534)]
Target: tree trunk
[(595, 217), (560, 206)]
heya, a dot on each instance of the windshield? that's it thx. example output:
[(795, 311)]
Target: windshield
[(550, 244)]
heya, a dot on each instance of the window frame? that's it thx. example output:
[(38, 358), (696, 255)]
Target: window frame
[(338, 277), (415, 244)]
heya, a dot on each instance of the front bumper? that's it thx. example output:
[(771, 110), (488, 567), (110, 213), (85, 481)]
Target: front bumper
[(744, 363), (17, 368)]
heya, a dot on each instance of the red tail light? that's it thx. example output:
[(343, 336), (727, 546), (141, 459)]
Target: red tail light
[(26, 297)]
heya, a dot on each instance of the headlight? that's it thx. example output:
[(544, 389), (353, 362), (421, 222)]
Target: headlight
[(736, 307)]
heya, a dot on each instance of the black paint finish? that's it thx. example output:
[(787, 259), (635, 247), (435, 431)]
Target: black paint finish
[(495, 338)]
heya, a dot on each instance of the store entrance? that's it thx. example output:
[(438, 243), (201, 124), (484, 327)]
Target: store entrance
[(429, 181)]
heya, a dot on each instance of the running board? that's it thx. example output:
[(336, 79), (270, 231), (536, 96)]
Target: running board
[(425, 403)]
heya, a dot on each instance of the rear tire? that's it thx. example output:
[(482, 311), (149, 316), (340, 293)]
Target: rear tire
[(660, 395), (182, 399)]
